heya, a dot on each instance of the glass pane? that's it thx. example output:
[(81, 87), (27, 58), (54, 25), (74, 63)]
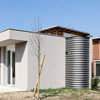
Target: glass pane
[(8, 65), (97, 69), (13, 67)]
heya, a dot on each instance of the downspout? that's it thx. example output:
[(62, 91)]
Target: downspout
[(93, 68)]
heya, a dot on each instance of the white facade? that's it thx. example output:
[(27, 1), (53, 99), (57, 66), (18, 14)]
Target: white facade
[(21, 73), (53, 72), (26, 66)]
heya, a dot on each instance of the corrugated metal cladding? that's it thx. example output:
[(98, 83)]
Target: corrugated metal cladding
[(77, 62)]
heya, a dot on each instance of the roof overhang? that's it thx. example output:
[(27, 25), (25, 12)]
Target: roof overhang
[(63, 29), (96, 39), (8, 37)]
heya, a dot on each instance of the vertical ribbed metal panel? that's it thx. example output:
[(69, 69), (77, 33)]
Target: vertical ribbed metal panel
[(77, 62)]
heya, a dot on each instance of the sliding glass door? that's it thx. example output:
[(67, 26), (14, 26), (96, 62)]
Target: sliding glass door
[(11, 67), (8, 66)]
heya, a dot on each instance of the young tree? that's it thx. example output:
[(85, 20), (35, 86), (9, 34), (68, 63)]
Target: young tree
[(35, 41)]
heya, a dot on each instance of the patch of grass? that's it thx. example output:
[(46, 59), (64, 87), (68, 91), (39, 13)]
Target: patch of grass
[(55, 92), (63, 92), (86, 98), (52, 90), (74, 94), (49, 95), (71, 89), (59, 90), (94, 83), (27, 97)]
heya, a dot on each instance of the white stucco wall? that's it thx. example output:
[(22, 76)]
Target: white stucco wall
[(3, 67), (53, 72), (21, 66)]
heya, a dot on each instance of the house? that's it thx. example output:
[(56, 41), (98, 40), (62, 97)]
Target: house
[(67, 62), (96, 57)]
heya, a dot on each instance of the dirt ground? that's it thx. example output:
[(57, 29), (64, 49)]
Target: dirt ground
[(65, 95)]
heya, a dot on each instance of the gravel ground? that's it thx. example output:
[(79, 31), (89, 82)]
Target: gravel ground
[(65, 95)]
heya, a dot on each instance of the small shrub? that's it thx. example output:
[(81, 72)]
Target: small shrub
[(95, 82)]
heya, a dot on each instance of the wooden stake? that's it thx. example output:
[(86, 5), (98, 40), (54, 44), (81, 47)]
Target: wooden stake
[(38, 81), (41, 64)]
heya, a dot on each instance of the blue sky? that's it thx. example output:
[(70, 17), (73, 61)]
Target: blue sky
[(83, 15)]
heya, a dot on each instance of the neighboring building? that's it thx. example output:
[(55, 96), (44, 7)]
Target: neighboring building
[(67, 62), (96, 57)]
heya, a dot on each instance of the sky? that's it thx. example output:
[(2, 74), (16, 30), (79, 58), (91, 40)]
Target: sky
[(82, 15)]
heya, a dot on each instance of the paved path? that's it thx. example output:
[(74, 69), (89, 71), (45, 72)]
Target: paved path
[(4, 89)]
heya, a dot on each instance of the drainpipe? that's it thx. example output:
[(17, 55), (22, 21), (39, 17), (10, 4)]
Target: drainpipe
[(93, 68)]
